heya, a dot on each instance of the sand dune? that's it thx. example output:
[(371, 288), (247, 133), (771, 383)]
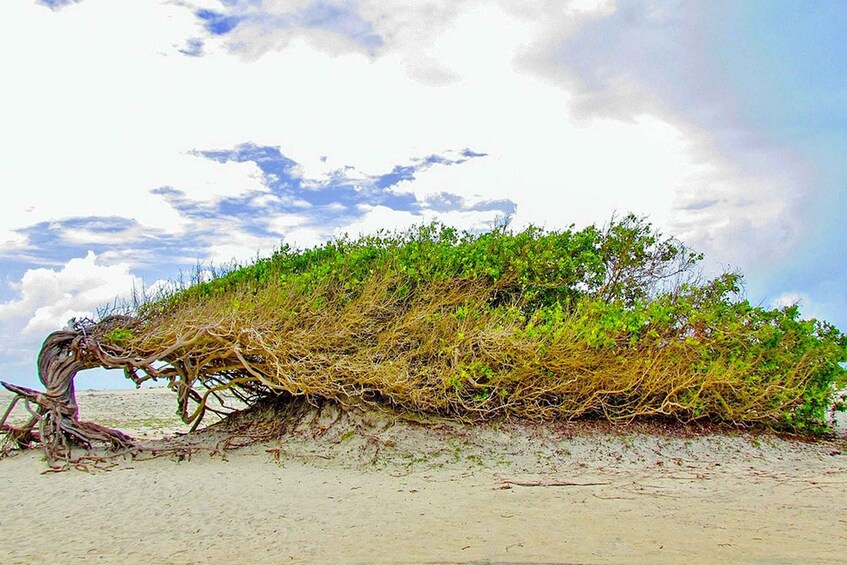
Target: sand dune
[(388, 491)]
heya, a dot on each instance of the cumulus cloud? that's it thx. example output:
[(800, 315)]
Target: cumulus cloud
[(48, 298)]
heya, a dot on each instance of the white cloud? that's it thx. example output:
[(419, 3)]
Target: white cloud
[(289, 201), (742, 199), (283, 222), (749, 213), (206, 181), (47, 298), (10, 240), (99, 115), (809, 307), (790, 299), (377, 218), (238, 246), (91, 235)]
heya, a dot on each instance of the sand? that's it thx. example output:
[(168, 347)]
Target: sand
[(380, 490)]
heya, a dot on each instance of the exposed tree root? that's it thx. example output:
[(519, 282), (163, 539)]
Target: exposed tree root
[(55, 424)]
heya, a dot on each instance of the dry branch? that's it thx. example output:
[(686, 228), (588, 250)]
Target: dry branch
[(506, 484)]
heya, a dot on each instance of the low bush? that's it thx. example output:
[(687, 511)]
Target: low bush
[(607, 322)]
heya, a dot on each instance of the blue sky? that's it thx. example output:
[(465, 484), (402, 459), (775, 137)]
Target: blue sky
[(140, 140)]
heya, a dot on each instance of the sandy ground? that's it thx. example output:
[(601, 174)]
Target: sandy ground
[(378, 490)]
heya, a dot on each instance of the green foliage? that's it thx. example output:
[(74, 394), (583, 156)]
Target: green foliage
[(117, 336), (609, 322)]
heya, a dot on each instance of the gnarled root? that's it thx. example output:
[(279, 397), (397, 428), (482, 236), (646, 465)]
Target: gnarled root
[(56, 426), (54, 416)]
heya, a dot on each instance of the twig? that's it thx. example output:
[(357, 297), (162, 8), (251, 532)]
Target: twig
[(613, 497), (508, 483)]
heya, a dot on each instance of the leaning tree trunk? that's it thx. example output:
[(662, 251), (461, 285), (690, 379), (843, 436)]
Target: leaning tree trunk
[(54, 418), (199, 355)]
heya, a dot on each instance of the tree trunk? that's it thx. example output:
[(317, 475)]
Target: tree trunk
[(55, 420)]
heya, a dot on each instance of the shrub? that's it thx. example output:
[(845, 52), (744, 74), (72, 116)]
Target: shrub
[(610, 322)]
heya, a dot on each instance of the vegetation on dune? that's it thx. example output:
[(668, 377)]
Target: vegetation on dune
[(610, 322)]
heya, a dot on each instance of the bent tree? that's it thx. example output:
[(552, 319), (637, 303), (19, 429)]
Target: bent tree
[(54, 413), (611, 323)]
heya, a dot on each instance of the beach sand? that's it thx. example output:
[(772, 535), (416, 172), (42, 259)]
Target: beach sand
[(379, 490)]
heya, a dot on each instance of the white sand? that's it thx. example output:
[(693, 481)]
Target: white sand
[(391, 492)]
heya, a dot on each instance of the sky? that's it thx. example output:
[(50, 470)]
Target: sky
[(140, 139)]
